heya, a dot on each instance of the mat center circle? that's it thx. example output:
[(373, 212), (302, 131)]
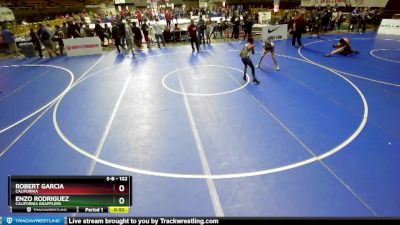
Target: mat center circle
[(204, 80)]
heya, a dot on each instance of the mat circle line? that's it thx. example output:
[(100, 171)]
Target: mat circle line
[(343, 72), (203, 94), (378, 57), (2, 130), (223, 176)]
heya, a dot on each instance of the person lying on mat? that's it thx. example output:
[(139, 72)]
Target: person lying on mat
[(343, 47)]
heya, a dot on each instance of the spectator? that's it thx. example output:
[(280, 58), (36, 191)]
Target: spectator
[(9, 38), (82, 30), (339, 20), (159, 33), (326, 18), (353, 22), (363, 21), (99, 31), (115, 33), (121, 28), (176, 16), (73, 31), (49, 30), (177, 32), (248, 25), (145, 30), (107, 33), (192, 30), (139, 17), (201, 26), (167, 34), (36, 42), (88, 31), (129, 37), (65, 29), (224, 29), (209, 30), (256, 17), (58, 38), (138, 36), (168, 18), (44, 36)]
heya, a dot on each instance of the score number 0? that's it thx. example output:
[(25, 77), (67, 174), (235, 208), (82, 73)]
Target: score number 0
[(121, 188)]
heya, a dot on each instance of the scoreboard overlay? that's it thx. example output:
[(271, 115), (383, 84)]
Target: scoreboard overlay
[(86, 194)]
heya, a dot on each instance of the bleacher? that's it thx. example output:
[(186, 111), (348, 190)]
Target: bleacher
[(43, 4), (92, 2), (36, 10)]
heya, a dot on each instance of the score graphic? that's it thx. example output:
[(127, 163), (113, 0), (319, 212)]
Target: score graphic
[(86, 194)]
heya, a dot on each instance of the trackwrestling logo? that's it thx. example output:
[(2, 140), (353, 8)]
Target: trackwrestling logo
[(34, 220)]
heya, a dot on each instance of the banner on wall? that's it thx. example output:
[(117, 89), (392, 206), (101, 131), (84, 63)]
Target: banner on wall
[(390, 26), (6, 14), (83, 46), (354, 3), (264, 17), (274, 32)]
